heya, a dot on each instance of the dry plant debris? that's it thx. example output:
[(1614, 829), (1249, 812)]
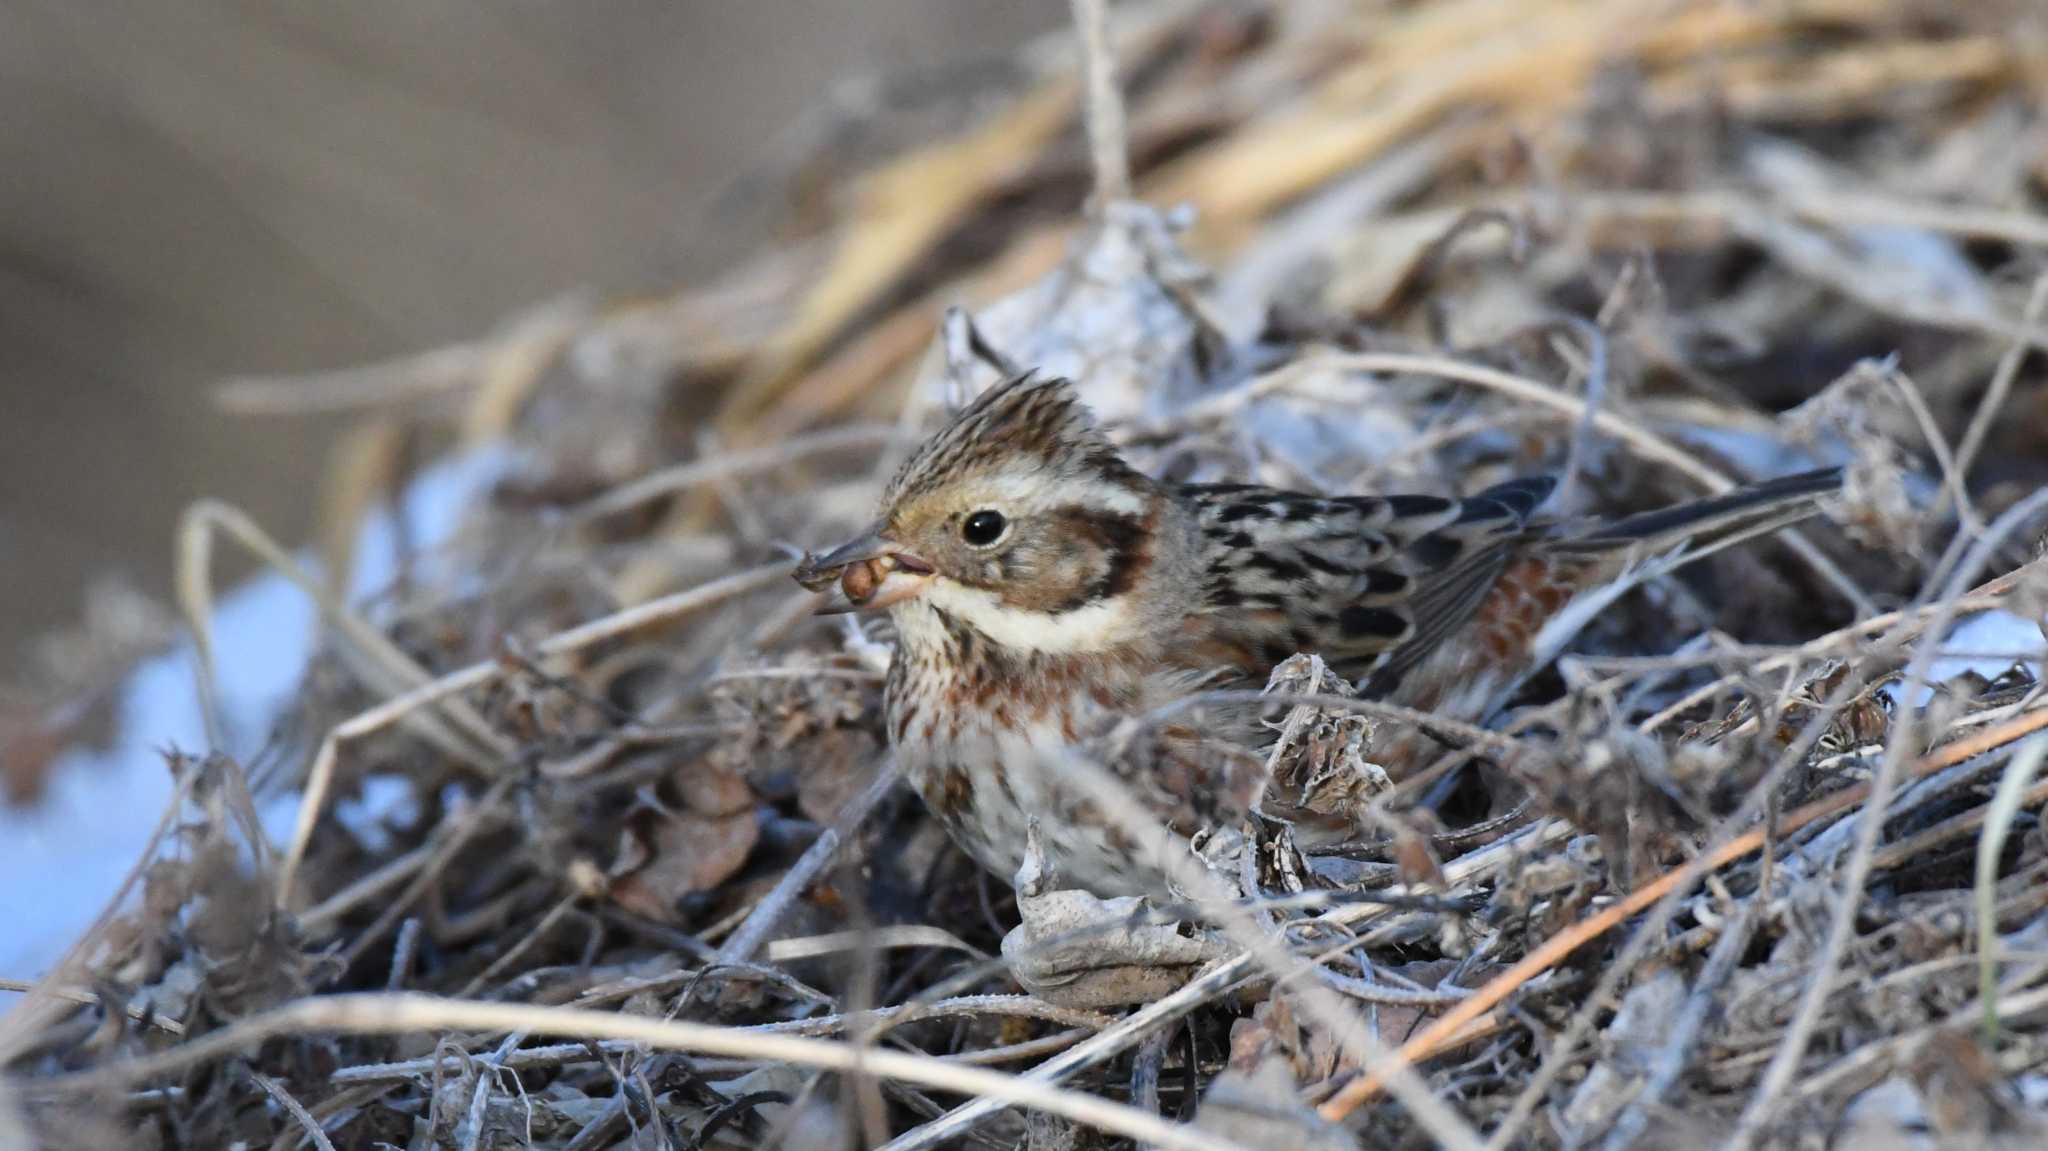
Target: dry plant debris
[(1749, 865)]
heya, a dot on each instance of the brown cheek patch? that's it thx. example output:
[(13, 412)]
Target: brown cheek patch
[(1030, 574), (1085, 556)]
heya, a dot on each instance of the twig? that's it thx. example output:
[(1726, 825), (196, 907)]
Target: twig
[(740, 1105), (1219, 978), (1998, 820), (754, 931), (877, 938), (554, 914), (390, 1014), (1359, 989), (530, 341), (1861, 1060), (470, 1132), (320, 778), (1560, 946), (524, 1058), (1669, 1062), (1014, 1052), (2022, 228), (1213, 983), (1003, 1006), (141, 1013), (1953, 482), (1903, 625), (2000, 387), (1793, 1049), (682, 477), (1651, 930), (657, 984), (1918, 846), (1108, 140), (1012, 1006), (298, 1110), (20, 1026), (1596, 393), (1098, 1048), (1339, 1020), (474, 743), (1145, 1067), (453, 836), (402, 951), (366, 888)]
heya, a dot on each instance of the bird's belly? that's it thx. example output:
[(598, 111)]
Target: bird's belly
[(989, 783)]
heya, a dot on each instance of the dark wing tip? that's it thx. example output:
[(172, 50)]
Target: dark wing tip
[(1520, 496), (1361, 622), (1743, 505)]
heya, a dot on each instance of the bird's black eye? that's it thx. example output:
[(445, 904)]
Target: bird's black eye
[(983, 528)]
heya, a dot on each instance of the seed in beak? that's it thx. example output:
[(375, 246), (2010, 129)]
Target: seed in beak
[(860, 580)]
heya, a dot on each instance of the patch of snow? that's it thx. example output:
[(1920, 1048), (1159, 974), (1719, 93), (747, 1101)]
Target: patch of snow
[(63, 858), (385, 801), (1752, 452), (1997, 640)]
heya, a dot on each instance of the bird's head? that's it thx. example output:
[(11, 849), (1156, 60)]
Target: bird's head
[(1019, 519)]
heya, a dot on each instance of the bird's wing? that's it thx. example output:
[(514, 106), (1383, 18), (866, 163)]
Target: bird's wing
[(1361, 580)]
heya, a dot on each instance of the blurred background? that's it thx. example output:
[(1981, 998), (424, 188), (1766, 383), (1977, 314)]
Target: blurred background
[(200, 190)]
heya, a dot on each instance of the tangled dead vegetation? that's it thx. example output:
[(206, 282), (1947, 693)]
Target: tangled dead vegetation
[(1756, 861)]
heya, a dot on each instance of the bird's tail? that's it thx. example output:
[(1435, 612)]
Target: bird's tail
[(1602, 562), (1710, 524)]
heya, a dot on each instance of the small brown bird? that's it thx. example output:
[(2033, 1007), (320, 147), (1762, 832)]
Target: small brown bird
[(1043, 590)]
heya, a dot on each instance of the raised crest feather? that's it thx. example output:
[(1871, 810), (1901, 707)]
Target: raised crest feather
[(1038, 419)]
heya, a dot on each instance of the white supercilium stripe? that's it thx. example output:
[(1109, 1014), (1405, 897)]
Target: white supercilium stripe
[(1022, 491)]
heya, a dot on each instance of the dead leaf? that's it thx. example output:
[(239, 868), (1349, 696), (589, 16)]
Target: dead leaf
[(709, 786), (843, 761), (684, 854), (1264, 1109)]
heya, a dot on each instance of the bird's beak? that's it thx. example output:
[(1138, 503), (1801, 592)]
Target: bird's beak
[(867, 574)]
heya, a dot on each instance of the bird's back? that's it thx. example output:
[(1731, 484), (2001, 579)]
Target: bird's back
[(1351, 578), (1429, 601)]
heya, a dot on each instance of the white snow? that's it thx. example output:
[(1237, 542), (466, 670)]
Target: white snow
[(1996, 640), (61, 860)]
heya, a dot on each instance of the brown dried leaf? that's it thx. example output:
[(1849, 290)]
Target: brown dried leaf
[(709, 786), (685, 854), (842, 761), (1264, 1109), (1319, 762), (1416, 858)]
